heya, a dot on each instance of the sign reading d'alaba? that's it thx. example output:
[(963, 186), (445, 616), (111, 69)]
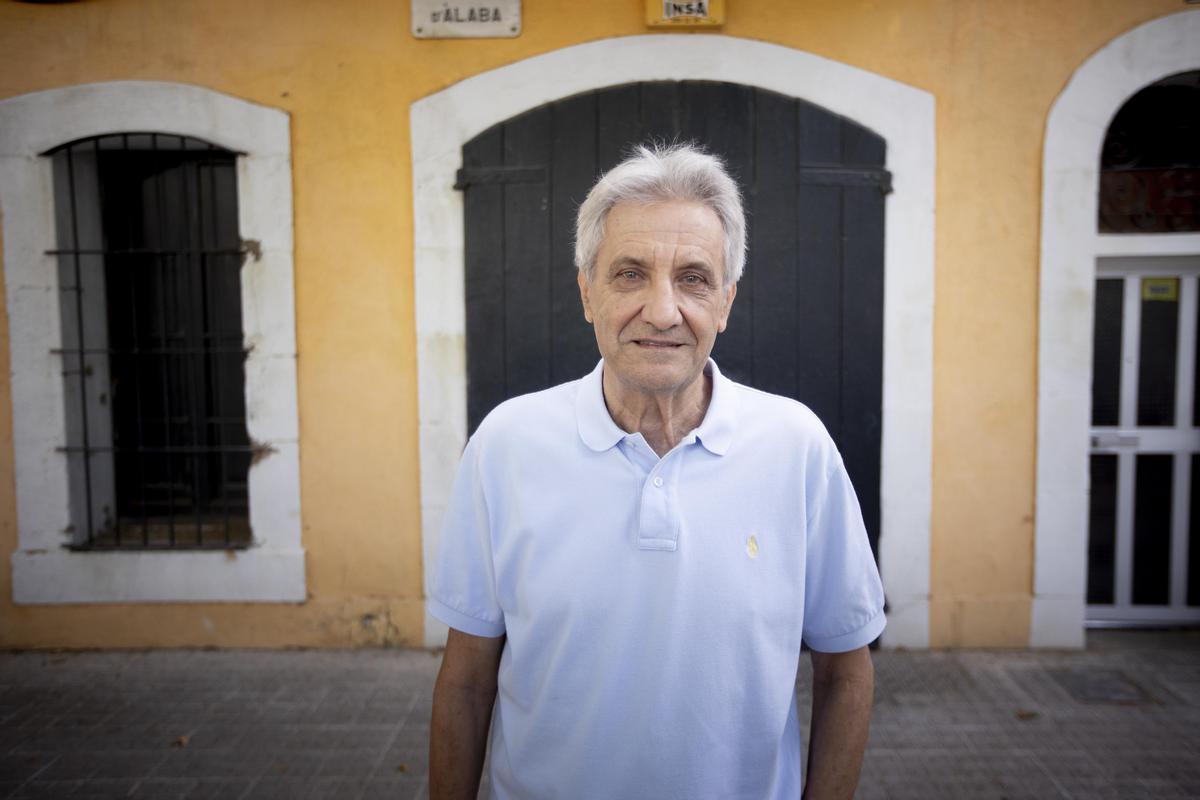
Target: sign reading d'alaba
[(439, 19)]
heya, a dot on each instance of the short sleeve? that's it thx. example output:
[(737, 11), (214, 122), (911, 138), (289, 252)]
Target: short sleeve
[(462, 587), (843, 596)]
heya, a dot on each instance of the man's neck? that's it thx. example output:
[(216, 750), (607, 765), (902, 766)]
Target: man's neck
[(664, 418)]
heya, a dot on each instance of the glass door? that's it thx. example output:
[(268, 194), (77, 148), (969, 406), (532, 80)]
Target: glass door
[(1144, 530)]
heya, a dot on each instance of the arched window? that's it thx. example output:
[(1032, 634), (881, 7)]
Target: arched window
[(1150, 164), (152, 346)]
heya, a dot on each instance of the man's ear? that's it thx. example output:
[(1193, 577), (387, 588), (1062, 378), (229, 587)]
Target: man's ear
[(582, 280), (731, 293)]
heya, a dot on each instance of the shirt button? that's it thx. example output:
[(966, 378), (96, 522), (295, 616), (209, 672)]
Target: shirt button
[(658, 481)]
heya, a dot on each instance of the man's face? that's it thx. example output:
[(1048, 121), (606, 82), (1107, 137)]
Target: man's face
[(656, 297)]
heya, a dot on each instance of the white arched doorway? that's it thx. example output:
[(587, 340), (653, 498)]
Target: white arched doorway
[(1070, 248), (904, 116)]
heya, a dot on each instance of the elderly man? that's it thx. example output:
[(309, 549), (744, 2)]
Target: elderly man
[(631, 561)]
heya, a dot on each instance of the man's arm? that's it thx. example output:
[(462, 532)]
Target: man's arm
[(843, 690), (462, 714)]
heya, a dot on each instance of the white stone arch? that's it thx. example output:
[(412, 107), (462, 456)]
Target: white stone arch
[(272, 570), (901, 114), (1070, 245)]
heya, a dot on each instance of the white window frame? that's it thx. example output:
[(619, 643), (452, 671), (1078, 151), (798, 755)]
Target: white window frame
[(901, 114), (43, 570), (1070, 248)]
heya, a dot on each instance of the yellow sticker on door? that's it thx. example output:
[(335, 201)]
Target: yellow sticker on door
[(752, 547), (1166, 289)]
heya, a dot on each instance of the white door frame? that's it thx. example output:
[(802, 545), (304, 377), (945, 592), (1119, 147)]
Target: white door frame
[(1070, 247), (904, 116)]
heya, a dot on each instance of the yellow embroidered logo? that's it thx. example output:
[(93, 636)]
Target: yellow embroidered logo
[(752, 547)]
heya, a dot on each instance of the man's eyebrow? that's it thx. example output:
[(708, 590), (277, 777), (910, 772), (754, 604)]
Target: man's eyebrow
[(621, 262)]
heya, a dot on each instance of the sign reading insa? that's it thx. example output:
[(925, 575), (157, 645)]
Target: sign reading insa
[(685, 13), (439, 19)]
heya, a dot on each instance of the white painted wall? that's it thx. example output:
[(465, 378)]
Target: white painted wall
[(442, 123), (1070, 246), (43, 571)]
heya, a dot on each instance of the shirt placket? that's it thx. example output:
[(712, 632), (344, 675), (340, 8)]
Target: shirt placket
[(658, 517)]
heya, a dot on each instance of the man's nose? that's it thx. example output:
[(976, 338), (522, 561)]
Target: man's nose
[(662, 307)]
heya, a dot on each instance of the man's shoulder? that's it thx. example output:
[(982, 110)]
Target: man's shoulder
[(783, 432), (777, 415)]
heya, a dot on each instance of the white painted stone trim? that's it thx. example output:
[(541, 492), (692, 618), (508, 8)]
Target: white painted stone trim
[(43, 571), (1157, 245), (1070, 246), (903, 115)]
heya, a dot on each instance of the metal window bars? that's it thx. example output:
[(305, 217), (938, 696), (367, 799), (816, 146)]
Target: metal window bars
[(149, 259)]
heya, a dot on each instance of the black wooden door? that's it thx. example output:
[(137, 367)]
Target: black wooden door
[(808, 319)]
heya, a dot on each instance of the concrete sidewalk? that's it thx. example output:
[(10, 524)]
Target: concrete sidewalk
[(1120, 720)]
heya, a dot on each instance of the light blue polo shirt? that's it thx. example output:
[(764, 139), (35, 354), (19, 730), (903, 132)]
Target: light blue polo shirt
[(654, 608)]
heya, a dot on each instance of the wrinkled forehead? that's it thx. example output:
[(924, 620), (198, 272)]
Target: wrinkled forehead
[(685, 227)]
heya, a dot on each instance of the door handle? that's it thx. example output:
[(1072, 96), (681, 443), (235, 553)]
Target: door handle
[(1114, 439)]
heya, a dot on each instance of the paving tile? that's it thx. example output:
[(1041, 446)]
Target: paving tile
[(386, 712), (349, 765), (408, 754), (96, 765), (209, 735), (7, 787), (44, 789), (289, 788), (207, 764), (350, 788), (21, 767), (165, 788), (393, 788), (210, 789), (90, 789), (104, 788), (190, 789)]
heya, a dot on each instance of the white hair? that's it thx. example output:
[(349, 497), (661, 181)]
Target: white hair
[(656, 174)]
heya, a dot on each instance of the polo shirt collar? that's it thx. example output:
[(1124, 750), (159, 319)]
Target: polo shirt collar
[(596, 426), (720, 421), (599, 432)]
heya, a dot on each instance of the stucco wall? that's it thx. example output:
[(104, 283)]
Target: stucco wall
[(347, 74)]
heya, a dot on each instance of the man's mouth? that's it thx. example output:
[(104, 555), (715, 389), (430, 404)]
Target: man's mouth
[(657, 344)]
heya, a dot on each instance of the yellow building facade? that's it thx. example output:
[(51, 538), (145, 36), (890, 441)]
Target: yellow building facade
[(350, 128)]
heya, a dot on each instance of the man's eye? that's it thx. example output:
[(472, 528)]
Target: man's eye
[(693, 280), (629, 275)]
